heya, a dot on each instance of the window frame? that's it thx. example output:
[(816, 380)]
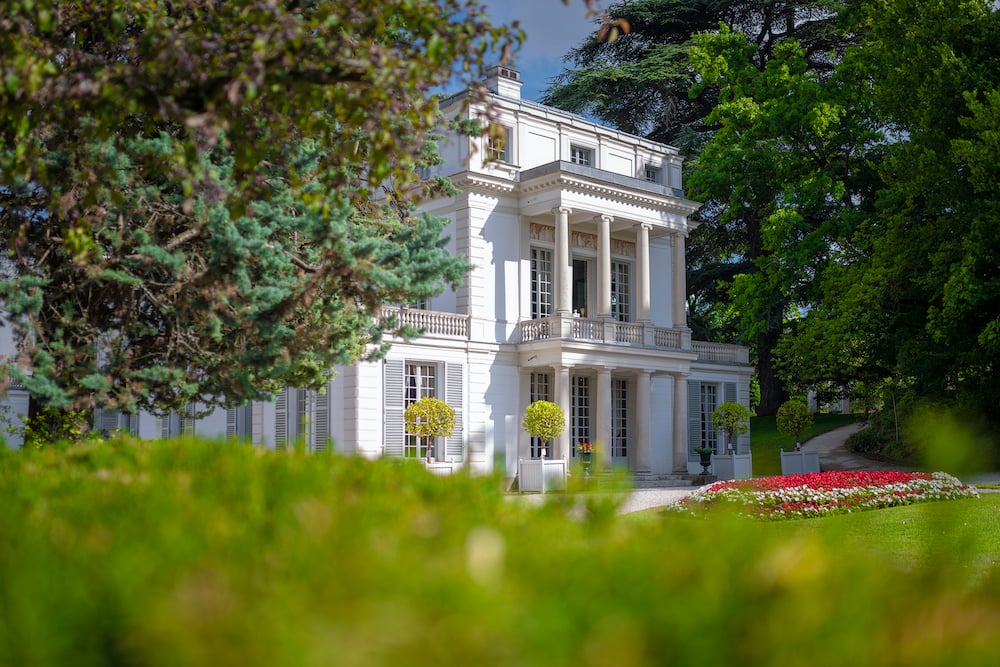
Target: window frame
[(652, 174), (504, 153), (415, 387), (585, 153), (542, 301)]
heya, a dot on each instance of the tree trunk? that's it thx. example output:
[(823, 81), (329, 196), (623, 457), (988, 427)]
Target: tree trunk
[(772, 390)]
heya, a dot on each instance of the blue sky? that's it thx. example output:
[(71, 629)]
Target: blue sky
[(552, 29)]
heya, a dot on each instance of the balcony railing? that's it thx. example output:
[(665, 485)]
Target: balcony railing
[(431, 322), (604, 331), (452, 325), (721, 352)]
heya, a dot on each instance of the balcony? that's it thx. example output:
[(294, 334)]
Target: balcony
[(431, 322), (603, 331), (435, 324)]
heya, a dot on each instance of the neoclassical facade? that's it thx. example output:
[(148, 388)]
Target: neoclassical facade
[(576, 237)]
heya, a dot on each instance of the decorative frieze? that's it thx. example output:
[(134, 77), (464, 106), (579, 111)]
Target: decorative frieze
[(581, 240)]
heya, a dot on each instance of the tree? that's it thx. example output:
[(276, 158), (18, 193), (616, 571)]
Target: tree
[(429, 418), (640, 84), (789, 163), (187, 189), (917, 305), (544, 420), (732, 419), (793, 418)]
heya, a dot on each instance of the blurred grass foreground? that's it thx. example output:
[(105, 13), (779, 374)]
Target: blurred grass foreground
[(190, 553)]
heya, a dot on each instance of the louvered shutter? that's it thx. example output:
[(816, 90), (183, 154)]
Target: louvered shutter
[(321, 421), (729, 392), (281, 420), (232, 415), (694, 418), (453, 449), (110, 421), (165, 425), (105, 421), (393, 424)]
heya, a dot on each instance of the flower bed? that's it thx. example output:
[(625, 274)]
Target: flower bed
[(825, 493)]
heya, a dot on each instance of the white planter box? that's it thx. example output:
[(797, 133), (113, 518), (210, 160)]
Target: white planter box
[(441, 467), (732, 466), (541, 475), (799, 463)]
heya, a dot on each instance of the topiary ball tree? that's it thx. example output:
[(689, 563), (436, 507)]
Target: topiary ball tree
[(544, 420), (793, 418), (732, 419), (429, 418)]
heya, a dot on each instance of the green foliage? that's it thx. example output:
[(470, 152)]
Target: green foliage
[(768, 442), (429, 418), (757, 128), (203, 553), (793, 418), (544, 420), (187, 189), (733, 419), (53, 425)]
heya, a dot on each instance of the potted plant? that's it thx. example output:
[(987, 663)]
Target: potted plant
[(543, 420), (429, 418), (586, 452), (705, 453)]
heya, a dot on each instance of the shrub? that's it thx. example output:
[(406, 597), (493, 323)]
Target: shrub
[(429, 418), (197, 553), (544, 420), (733, 419), (794, 418)]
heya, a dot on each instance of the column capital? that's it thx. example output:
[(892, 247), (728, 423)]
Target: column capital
[(604, 217), (561, 209), (644, 225)]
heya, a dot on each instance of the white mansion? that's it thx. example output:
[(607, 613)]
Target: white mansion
[(576, 235)]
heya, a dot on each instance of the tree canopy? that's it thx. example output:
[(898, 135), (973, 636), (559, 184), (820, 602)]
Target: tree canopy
[(846, 155), (206, 200)]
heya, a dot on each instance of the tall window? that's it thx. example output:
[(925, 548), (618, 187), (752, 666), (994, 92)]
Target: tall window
[(540, 390), (580, 413), (420, 380), (498, 144), (580, 155), (541, 283), (581, 290), (653, 174), (619, 419), (709, 401), (620, 287)]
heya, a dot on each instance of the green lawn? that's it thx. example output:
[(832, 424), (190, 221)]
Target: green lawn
[(965, 532), (766, 442)]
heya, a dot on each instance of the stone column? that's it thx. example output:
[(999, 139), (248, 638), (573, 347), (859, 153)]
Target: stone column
[(604, 266), (562, 395), (643, 391), (680, 423), (679, 266), (642, 269), (603, 405), (563, 274)]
